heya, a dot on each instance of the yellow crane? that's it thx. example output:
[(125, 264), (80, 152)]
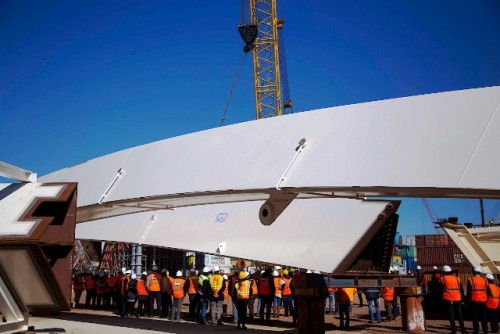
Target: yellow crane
[(261, 31)]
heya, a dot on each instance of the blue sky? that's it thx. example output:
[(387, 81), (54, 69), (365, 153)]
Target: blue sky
[(80, 79)]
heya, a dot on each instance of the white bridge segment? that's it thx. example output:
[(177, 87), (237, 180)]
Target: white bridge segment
[(437, 145), (318, 234)]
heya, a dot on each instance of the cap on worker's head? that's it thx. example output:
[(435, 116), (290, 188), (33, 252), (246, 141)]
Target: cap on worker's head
[(490, 276), (216, 269), (134, 276), (446, 269), (434, 268), (275, 273), (478, 269), (419, 267), (242, 275), (285, 272), (206, 270), (178, 273)]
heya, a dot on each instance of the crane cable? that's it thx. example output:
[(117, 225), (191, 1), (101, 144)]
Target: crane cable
[(235, 83)]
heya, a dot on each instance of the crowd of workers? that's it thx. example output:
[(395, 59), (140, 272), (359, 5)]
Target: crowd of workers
[(271, 291)]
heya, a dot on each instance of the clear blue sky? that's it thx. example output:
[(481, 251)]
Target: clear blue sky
[(80, 79)]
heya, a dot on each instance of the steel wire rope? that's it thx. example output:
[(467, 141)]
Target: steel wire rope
[(231, 92)]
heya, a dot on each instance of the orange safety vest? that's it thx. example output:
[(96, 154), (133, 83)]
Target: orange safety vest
[(494, 299), (277, 285), (102, 287), (111, 282), (193, 286), (478, 285), (287, 291), (451, 286), (243, 289), (255, 291), (141, 288), (90, 283), (178, 287), (124, 284), (265, 286), (388, 294), (169, 285), (78, 283), (154, 282), (226, 290), (216, 282)]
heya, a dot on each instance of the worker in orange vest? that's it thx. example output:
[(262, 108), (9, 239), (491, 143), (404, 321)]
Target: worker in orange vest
[(90, 288), (78, 283), (345, 299), (154, 291), (124, 285), (192, 290), (178, 292), (226, 295), (387, 295), (477, 297), (493, 302), (278, 289), (251, 301), (166, 293), (243, 288), (217, 283), (453, 296), (112, 285), (142, 295), (266, 295)]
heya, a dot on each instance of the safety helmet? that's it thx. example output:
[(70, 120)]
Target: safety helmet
[(275, 273), (446, 269), (154, 268), (225, 277), (478, 269), (285, 272), (206, 270), (317, 272), (242, 275), (128, 272), (144, 273), (216, 269), (434, 268), (489, 276), (278, 268), (178, 273), (419, 267), (134, 276), (309, 271), (123, 270), (164, 271)]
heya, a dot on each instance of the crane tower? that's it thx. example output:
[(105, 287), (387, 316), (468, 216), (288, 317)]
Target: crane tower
[(261, 32)]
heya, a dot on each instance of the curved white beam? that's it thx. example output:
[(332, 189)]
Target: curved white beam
[(435, 145)]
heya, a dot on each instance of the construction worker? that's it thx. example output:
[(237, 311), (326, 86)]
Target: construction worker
[(216, 282), (266, 294), (243, 288), (124, 284), (78, 286), (117, 293), (112, 287), (373, 298), (154, 292), (453, 296), (204, 295), (192, 290), (131, 295), (286, 294), (231, 281), (493, 302), (166, 293), (226, 295), (278, 287), (477, 298), (142, 295), (91, 290), (388, 297), (178, 292), (251, 301), (101, 291), (345, 299)]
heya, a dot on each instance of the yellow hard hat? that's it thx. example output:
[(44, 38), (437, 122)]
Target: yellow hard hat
[(242, 275), (285, 272)]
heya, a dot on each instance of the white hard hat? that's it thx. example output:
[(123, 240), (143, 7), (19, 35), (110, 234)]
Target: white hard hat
[(178, 273), (275, 273), (446, 269), (247, 274), (278, 268), (206, 270), (434, 268), (309, 271), (317, 272), (145, 273), (124, 270), (216, 268), (225, 277), (419, 267), (134, 276), (128, 272), (489, 276), (478, 269)]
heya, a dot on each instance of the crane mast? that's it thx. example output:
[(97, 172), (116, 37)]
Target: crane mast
[(261, 37)]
